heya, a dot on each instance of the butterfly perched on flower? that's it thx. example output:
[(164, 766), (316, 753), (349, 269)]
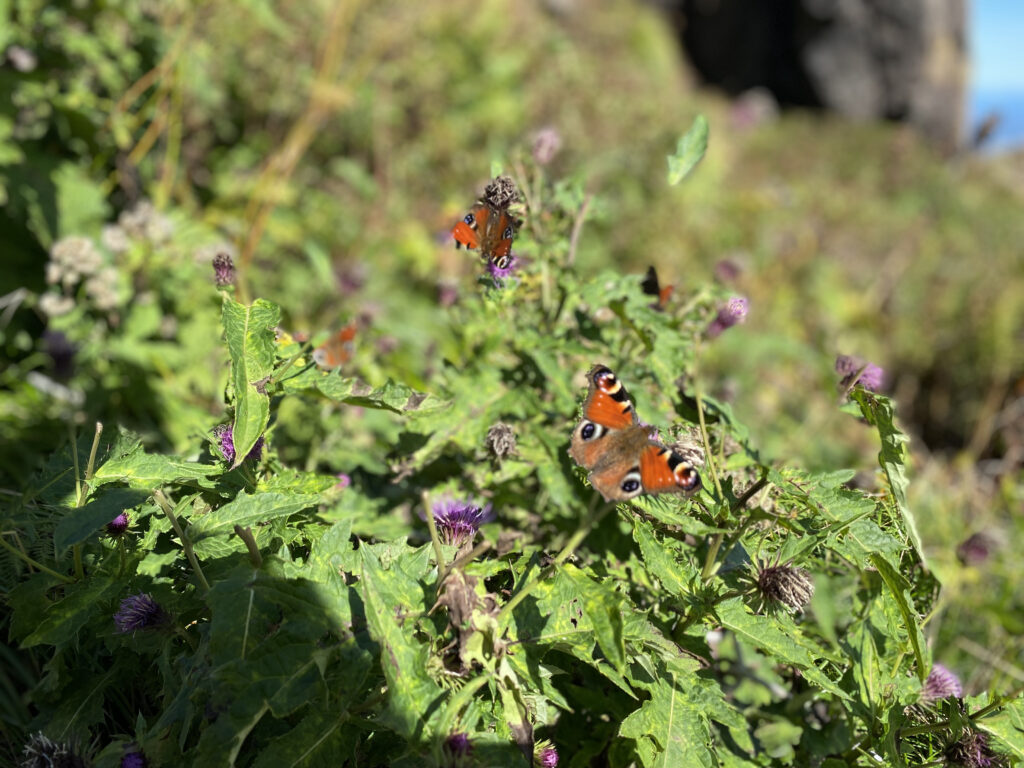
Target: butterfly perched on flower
[(623, 458), (337, 350), (491, 230)]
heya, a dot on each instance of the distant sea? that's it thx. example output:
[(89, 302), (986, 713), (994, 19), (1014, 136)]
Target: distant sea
[(1009, 104)]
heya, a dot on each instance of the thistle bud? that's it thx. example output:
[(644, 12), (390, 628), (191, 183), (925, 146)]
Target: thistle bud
[(501, 192), (501, 440), (787, 585)]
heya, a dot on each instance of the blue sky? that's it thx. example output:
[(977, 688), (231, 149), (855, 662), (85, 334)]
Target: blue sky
[(997, 44)]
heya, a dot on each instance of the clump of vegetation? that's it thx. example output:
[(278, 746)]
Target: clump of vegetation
[(342, 526)]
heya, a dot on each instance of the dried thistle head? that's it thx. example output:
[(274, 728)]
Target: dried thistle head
[(501, 192), (786, 585), (501, 440)]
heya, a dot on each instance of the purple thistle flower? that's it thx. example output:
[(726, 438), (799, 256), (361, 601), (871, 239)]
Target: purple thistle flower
[(459, 745), (972, 751), (458, 521), (139, 612), (134, 759), (344, 481), (118, 525), (941, 683), (546, 143), (225, 434), (734, 311), (501, 274), (223, 270), (546, 756), (871, 377)]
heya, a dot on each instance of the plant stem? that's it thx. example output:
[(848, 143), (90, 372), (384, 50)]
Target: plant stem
[(574, 541), (428, 513), (245, 534), (186, 545), (32, 563)]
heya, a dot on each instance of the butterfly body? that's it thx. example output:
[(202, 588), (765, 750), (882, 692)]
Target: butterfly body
[(623, 458), (489, 229), (652, 287)]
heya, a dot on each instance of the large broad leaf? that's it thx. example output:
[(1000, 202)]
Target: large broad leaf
[(78, 524), (321, 739), (392, 396), (765, 633), (678, 729), (878, 411), (689, 152), (675, 576), (245, 510), (1007, 725), (145, 470), (250, 336), (64, 618), (412, 694), (603, 606)]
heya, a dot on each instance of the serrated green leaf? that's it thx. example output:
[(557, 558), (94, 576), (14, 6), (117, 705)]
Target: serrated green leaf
[(900, 590), (320, 740), (680, 733), (78, 524), (1007, 725), (411, 691), (144, 470), (246, 509), (878, 411), (249, 332), (764, 632), (675, 576), (603, 606), (690, 150), (392, 396)]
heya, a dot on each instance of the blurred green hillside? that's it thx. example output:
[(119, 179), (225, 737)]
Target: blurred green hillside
[(331, 146)]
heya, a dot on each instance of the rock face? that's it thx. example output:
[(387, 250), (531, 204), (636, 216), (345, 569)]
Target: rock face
[(867, 59)]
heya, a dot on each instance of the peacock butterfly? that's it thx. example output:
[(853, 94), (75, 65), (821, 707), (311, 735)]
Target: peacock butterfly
[(489, 228), (621, 455), (337, 350)]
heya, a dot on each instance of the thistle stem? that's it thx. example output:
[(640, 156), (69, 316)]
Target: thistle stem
[(435, 539), (186, 545)]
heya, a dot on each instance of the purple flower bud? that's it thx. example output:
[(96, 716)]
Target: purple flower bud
[(224, 433), (344, 481), (458, 521), (545, 756), (139, 612), (941, 683), (459, 745), (976, 549), (727, 270), (134, 759), (546, 143), (118, 525), (447, 293), (870, 376), (734, 311), (223, 270)]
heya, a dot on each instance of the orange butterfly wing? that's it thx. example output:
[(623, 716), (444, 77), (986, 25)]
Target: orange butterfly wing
[(662, 470), (608, 402), (337, 350), (468, 231)]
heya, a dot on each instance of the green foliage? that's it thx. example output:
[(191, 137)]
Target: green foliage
[(308, 617)]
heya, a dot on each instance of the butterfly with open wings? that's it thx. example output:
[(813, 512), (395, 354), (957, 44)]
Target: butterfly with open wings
[(623, 459), (489, 228)]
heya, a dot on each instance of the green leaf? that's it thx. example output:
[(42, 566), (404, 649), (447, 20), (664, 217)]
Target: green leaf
[(765, 633), (392, 396), (604, 607), (78, 524), (250, 336), (678, 729), (1007, 725), (144, 470), (899, 588), (689, 152), (246, 509), (64, 618), (411, 691), (878, 411), (320, 740), (676, 577)]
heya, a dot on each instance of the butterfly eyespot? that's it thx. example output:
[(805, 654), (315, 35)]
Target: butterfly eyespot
[(687, 478), (508, 233), (630, 485), (502, 262), (588, 431), (470, 219)]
